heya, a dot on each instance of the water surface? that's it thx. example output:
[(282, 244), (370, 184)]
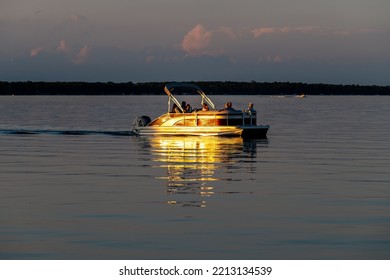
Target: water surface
[(74, 185)]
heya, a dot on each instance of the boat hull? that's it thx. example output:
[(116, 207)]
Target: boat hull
[(229, 131)]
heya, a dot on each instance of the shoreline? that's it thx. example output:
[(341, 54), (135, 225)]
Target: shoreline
[(211, 88)]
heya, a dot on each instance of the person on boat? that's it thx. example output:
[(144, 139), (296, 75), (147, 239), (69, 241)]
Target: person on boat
[(188, 109), (228, 107), (174, 106), (250, 108), (205, 107), (175, 109), (225, 107)]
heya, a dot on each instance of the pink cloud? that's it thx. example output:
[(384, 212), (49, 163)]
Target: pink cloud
[(263, 30), (287, 29), (258, 32), (82, 55), (35, 51), (197, 40), (63, 47)]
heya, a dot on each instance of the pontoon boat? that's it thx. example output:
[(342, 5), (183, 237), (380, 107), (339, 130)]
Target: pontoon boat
[(209, 121)]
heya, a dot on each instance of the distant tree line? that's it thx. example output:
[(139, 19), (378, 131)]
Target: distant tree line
[(212, 88)]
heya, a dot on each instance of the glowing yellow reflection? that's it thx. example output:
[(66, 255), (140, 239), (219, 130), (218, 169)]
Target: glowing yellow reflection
[(192, 164)]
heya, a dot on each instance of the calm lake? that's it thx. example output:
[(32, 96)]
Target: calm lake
[(73, 187)]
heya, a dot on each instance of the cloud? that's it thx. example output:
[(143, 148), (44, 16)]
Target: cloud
[(82, 55), (199, 41), (287, 29), (258, 32), (262, 31), (77, 56), (35, 51), (63, 47), (196, 41)]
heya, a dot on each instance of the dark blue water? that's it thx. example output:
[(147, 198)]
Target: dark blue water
[(74, 184)]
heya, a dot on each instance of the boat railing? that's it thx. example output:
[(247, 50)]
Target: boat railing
[(214, 118)]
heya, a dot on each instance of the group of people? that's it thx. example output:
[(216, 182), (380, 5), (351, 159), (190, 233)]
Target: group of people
[(228, 107), (186, 107)]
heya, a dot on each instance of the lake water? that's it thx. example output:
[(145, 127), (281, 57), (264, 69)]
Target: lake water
[(72, 186)]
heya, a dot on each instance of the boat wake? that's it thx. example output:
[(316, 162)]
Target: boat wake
[(64, 132)]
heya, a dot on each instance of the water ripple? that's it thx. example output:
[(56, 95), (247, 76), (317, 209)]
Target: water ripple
[(65, 132)]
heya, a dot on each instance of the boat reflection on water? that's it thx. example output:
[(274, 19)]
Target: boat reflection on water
[(195, 164)]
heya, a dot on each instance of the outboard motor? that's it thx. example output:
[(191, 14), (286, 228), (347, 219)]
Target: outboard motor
[(142, 121)]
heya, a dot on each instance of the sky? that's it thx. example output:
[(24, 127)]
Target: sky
[(310, 41)]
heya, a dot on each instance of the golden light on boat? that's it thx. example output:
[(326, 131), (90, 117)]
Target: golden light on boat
[(192, 164), (192, 144)]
